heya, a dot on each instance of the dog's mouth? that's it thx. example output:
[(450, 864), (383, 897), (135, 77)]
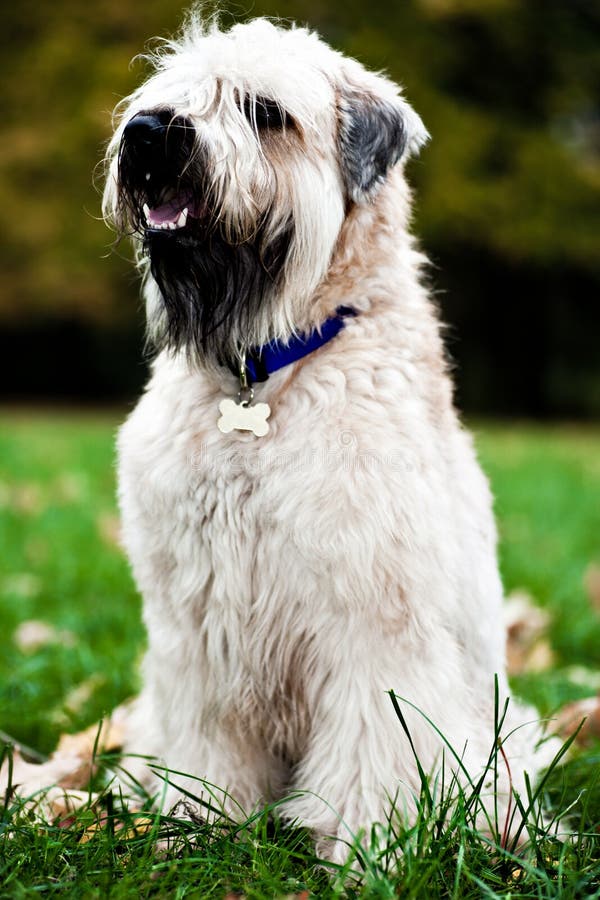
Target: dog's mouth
[(213, 284), (158, 193), (171, 215), (168, 210)]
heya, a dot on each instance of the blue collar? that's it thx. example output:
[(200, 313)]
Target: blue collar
[(263, 361)]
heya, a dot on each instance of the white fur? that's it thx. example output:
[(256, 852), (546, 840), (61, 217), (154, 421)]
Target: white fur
[(291, 580)]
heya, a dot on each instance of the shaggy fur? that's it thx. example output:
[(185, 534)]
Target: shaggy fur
[(290, 581)]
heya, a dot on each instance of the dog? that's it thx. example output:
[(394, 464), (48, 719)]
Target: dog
[(304, 514)]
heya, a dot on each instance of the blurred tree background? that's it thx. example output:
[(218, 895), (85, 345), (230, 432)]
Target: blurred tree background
[(507, 191)]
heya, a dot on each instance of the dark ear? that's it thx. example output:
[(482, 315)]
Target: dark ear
[(374, 134)]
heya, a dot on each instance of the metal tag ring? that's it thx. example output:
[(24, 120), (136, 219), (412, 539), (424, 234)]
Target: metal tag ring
[(245, 396)]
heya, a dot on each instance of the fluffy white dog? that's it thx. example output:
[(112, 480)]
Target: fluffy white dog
[(327, 536)]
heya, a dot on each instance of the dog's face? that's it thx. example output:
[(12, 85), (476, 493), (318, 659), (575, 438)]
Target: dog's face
[(235, 165)]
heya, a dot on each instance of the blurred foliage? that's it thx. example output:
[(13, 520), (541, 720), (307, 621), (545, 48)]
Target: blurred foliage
[(509, 183)]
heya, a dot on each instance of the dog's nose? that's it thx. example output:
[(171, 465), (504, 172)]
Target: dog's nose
[(146, 130), (158, 133)]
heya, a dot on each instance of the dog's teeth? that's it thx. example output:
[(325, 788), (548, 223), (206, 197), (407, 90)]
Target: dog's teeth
[(165, 226)]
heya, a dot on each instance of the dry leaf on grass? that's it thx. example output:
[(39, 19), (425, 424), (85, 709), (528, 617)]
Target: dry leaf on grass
[(23, 584), (27, 498), (67, 771), (61, 769), (61, 806), (34, 634), (569, 719), (584, 677), (70, 487), (133, 828), (109, 529), (591, 581), (37, 550), (527, 646), (76, 699), (46, 787), (81, 693), (303, 895), (106, 736)]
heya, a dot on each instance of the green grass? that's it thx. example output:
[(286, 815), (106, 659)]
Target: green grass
[(59, 564), (546, 481), (57, 499)]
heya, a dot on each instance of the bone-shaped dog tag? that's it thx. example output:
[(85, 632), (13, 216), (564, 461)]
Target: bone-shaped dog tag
[(243, 417)]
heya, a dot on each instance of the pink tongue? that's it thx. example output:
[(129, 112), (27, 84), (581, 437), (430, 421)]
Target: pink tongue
[(168, 212)]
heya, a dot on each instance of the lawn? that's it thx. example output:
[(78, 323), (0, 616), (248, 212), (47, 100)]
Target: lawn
[(60, 565)]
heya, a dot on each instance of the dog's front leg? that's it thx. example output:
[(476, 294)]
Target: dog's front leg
[(190, 728), (359, 762)]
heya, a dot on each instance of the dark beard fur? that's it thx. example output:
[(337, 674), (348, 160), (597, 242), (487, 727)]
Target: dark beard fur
[(212, 289)]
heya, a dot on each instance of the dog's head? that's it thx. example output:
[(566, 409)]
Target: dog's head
[(235, 165)]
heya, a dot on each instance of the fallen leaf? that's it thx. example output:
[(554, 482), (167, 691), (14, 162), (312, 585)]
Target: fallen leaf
[(540, 657), (37, 550), (591, 581), (521, 614), (27, 498), (61, 806), (79, 695), (569, 718), (34, 634), (109, 529), (69, 768), (24, 584), (27, 779), (138, 826), (71, 487), (90, 832), (76, 699), (527, 646), (583, 676), (106, 736), (515, 876), (303, 895)]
